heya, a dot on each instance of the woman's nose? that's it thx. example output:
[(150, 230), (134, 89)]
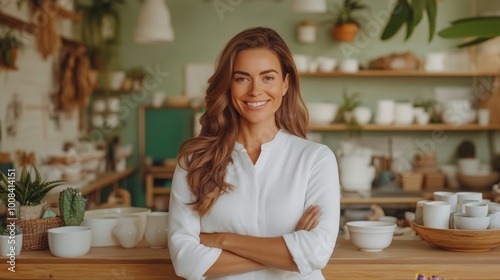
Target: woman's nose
[(256, 88)]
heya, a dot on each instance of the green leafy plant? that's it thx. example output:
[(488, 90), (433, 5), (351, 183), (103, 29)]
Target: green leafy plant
[(28, 191), (4, 230), (9, 45), (72, 206), (410, 12), (427, 104), (345, 12), (100, 29), (481, 28)]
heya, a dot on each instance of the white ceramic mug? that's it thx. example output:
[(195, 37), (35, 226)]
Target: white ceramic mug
[(450, 197), (156, 229), (437, 214)]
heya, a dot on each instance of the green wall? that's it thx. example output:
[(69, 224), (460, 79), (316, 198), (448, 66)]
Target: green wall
[(201, 31)]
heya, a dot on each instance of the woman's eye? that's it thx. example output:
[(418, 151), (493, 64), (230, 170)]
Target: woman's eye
[(241, 79), (268, 78)]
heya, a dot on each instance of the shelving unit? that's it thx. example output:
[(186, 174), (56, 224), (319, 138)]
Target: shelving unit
[(394, 73), (428, 127)]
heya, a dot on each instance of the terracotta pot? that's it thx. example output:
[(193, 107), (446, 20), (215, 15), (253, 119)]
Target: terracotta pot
[(344, 32)]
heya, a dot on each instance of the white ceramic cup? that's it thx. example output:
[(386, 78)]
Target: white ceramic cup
[(403, 113), (450, 197), (419, 212), (483, 117), (494, 220), (385, 112), (461, 205), (476, 209), (156, 234), (349, 65), (437, 214), (362, 114)]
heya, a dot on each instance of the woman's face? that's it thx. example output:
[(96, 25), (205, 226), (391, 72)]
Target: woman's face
[(257, 87)]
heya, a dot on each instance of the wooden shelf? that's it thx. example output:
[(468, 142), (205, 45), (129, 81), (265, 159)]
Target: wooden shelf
[(7, 67), (23, 26), (394, 73), (413, 127)]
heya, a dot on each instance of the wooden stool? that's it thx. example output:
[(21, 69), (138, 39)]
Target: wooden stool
[(117, 198)]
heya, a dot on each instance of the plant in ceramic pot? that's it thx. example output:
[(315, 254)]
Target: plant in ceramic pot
[(28, 192), (346, 25), (345, 112), (11, 240)]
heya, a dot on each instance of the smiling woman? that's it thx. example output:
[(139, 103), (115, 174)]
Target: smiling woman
[(252, 154)]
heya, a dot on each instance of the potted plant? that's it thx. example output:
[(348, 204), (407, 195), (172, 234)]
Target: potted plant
[(346, 110), (28, 192), (9, 47), (346, 25), (11, 240), (72, 206)]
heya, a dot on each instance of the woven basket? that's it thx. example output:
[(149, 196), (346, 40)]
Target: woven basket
[(35, 236)]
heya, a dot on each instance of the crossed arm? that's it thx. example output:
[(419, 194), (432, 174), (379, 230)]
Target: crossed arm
[(242, 253)]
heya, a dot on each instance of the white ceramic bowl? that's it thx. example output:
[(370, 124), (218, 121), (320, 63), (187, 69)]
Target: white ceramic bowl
[(69, 241), (371, 236), (102, 227), (476, 209), (322, 113), (462, 221), (493, 207), (138, 211)]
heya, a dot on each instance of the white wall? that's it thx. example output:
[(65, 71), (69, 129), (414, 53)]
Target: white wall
[(33, 83)]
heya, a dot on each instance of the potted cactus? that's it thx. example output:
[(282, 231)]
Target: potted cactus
[(72, 206)]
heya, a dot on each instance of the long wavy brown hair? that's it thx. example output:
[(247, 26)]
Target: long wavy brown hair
[(206, 157)]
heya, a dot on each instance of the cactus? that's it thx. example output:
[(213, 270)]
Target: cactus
[(72, 206)]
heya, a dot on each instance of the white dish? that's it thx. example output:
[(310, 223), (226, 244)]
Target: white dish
[(69, 241), (371, 236)]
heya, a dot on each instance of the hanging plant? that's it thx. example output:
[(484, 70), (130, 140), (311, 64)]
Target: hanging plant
[(9, 47), (100, 29), (481, 28), (410, 12)]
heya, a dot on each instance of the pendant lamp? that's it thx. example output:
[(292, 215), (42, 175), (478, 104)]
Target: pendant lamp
[(310, 6), (153, 24)]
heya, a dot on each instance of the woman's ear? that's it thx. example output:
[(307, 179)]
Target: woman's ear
[(286, 83)]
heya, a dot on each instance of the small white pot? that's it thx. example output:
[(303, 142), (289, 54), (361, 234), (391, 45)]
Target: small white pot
[(7, 244), (116, 79), (307, 33), (362, 115)]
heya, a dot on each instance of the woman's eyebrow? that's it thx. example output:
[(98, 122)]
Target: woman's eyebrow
[(261, 73)]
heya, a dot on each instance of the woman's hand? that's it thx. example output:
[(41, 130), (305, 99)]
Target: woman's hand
[(309, 219), (213, 240)]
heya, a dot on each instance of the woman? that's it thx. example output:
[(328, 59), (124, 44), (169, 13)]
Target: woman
[(251, 198)]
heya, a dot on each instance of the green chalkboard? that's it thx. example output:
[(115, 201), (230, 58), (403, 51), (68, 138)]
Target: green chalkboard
[(164, 131)]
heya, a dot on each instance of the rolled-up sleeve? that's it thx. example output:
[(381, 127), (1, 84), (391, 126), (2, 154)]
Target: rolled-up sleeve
[(311, 250), (190, 258)]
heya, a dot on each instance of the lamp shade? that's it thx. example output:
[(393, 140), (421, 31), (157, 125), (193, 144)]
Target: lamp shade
[(310, 6), (154, 23)]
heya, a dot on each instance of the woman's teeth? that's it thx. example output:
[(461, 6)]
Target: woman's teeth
[(256, 104)]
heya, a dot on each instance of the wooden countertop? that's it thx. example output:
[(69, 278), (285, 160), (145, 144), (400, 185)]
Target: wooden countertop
[(402, 260)]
